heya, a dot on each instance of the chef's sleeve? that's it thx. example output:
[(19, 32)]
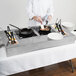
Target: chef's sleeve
[(50, 10), (29, 9)]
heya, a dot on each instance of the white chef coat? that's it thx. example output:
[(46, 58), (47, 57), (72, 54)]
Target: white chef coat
[(41, 8)]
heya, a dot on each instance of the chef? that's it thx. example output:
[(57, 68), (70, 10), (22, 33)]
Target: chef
[(39, 11)]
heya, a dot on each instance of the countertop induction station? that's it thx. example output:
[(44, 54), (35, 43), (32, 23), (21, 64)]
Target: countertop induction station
[(35, 41)]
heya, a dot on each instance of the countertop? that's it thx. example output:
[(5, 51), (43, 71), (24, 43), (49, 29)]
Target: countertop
[(34, 43)]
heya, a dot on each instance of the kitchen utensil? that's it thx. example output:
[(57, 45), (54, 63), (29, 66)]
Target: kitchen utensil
[(10, 36), (55, 36), (45, 31), (57, 25), (13, 38), (25, 32), (46, 19), (35, 32), (61, 30), (42, 26)]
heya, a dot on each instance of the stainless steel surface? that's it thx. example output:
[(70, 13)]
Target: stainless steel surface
[(35, 43)]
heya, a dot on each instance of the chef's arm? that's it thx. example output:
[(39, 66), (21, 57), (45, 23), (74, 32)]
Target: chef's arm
[(30, 12), (29, 9), (50, 11), (37, 18)]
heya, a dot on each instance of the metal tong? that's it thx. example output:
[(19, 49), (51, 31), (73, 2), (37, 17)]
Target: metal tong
[(59, 26)]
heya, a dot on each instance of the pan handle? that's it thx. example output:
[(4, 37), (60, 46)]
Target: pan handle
[(15, 26), (35, 32)]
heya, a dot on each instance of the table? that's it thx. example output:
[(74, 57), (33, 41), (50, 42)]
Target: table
[(35, 59)]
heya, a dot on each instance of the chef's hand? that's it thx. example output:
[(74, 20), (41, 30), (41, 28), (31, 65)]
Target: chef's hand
[(37, 18), (49, 18)]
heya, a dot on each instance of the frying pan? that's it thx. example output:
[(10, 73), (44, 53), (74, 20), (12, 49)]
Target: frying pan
[(25, 32), (45, 32)]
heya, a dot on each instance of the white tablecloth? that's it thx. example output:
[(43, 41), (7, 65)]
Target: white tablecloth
[(36, 59)]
